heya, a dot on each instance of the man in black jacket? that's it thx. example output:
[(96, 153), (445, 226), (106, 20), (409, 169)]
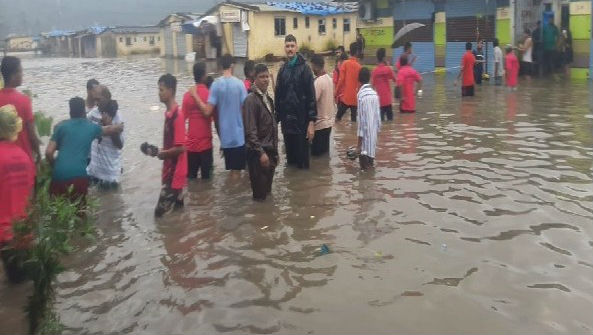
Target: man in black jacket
[(295, 105)]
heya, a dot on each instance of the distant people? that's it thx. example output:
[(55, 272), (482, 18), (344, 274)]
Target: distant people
[(479, 66), (381, 79), (370, 121), (227, 95), (565, 52), (17, 177), (410, 83), (91, 99), (512, 68), (105, 167), (173, 153), (341, 56), (296, 108), (72, 140), (538, 50), (361, 45), (527, 58), (348, 85), (409, 54), (261, 135), (199, 135), (467, 72), (498, 63), (12, 73), (249, 72), (326, 109), (550, 40)]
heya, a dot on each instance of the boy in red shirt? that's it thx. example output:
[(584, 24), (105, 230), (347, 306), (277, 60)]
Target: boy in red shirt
[(199, 135), (407, 78), (348, 85), (512, 68), (173, 154), (467, 71), (380, 79), (12, 72), (249, 72)]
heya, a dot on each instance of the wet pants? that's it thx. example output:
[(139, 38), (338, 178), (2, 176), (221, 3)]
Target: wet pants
[(261, 178)]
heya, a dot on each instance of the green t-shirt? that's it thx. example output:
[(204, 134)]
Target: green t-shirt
[(74, 138), (550, 37)]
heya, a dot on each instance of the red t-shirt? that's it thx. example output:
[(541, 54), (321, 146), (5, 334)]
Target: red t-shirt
[(348, 84), (22, 103), (174, 169), (407, 77), (467, 64), (199, 134), (247, 85), (380, 78), (17, 173), (512, 69)]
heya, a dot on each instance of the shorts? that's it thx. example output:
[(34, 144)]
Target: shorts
[(199, 161), (387, 113), (169, 199), (467, 91), (80, 188), (235, 158)]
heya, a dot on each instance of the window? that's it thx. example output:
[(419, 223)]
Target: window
[(121, 40), (334, 23), (295, 23), (279, 26), (306, 22), (346, 25), (321, 28), (128, 41), (151, 41)]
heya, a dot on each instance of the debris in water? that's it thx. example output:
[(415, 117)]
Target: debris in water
[(264, 228), (324, 250)]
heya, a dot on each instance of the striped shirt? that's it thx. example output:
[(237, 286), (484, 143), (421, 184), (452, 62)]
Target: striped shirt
[(369, 122), (105, 156)]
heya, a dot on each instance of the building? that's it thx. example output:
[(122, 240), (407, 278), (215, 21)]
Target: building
[(21, 43), (57, 42), (125, 41), (176, 42), (84, 42), (257, 30)]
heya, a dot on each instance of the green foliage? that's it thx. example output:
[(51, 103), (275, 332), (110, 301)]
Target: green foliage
[(43, 123), (330, 45)]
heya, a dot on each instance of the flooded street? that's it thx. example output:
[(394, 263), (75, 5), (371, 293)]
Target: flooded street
[(478, 218)]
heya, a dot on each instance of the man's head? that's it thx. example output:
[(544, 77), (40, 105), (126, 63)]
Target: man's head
[(364, 76), (109, 108), (227, 61), (200, 72), (317, 64), (12, 71), (495, 42), (262, 77), (340, 51), (508, 48), (381, 55), (468, 46), (403, 60), (408, 47), (101, 94), (480, 44), (167, 87), (354, 49), (77, 108), (10, 123), (527, 32), (90, 84), (290, 45), (249, 70)]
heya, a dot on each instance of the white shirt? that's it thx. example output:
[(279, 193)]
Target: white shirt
[(105, 156), (527, 55), (498, 60), (369, 119)]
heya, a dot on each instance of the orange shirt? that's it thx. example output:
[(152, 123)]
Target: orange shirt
[(467, 64), (348, 82)]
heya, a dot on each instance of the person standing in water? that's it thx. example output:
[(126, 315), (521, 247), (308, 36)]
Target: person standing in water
[(527, 59), (370, 121), (381, 78), (348, 85), (498, 63), (91, 98), (467, 72), (326, 109), (512, 68), (409, 82), (479, 66)]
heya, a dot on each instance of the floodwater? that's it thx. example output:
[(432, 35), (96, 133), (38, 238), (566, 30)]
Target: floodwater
[(478, 218)]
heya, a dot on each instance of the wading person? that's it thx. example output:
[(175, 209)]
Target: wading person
[(91, 98), (17, 174), (199, 134), (261, 135), (408, 53), (295, 105), (369, 122), (498, 63), (72, 140), (348, 85), (173, 153), (550, 43), (479, 66), (326, 109), (381, 79), (512, 68), (467, 72), (527, 58), (12, 73), (409, 82), (341, 56)]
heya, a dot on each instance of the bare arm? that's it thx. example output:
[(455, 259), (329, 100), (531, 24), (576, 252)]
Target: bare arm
[(33, 138), (50, 151), (171, 153), (112, 130), (205, 108)]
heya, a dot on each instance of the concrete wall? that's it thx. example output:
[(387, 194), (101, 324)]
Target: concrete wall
[(20, 43), (140, 43)]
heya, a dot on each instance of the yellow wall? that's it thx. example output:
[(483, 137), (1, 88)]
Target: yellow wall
[(139, 46), (261, 40), (20, 43)]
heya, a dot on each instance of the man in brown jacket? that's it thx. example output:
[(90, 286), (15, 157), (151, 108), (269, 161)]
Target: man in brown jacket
[(261, 135)]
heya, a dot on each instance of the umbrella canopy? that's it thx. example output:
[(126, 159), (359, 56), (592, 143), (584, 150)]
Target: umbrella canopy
[(398, 40)]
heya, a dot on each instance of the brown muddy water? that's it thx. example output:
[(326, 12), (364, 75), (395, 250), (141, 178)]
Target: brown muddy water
[(477, 219)]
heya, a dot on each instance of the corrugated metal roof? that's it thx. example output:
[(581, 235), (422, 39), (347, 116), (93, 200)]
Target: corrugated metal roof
[(309, 8), (135, 30)]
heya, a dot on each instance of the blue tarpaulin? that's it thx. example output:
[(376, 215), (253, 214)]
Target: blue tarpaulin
[(321, 9)]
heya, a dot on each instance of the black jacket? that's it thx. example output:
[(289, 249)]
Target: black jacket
[(295, 97)]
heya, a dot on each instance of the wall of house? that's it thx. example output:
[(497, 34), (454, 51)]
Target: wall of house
[(580, 28), (140, 43), (20, 43)]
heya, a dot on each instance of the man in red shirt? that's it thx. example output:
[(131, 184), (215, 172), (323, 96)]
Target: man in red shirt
[(12, 72), (17, 174), (380, 79), (348, 85), (407, 78), (467, 72), (199, 135), (408, 53), (173, 154)]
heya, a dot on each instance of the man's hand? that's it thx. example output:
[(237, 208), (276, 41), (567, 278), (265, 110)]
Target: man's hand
[(264, 160), (106, 119), (160, 155), (311, 131)]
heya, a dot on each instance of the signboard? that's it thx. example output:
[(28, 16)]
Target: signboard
[(230, 15), (502, 13)]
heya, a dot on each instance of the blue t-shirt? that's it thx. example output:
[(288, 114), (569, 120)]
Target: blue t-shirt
[(228, 95), (73, 138)]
